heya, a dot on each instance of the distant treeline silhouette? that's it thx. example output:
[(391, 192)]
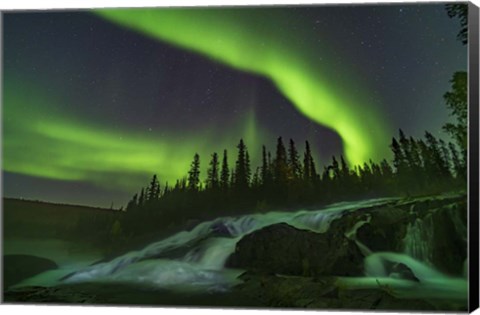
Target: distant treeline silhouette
[(288, 180)]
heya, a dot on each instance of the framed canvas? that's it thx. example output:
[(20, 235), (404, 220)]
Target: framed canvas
[(320, 156)]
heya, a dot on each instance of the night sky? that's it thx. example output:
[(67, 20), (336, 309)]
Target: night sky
[(95, 102)]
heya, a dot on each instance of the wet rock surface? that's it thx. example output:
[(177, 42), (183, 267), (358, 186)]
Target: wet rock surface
[(283, 249), (324, 293)]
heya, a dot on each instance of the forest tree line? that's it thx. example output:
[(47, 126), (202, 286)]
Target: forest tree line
[(289, 178)]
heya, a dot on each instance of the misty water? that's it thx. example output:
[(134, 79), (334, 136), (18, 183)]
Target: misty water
[(195, 260)]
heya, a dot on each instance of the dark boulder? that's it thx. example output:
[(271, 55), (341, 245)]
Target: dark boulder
[(449, 238), (385, 231), (283, 249)]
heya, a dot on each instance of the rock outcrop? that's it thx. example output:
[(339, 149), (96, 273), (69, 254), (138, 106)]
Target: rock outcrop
[(283, 249)]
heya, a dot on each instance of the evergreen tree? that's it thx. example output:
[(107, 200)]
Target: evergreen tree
[(440, 166), (458, 166), (457, 103), (213, 181), (225, 174), (141, 199), (445, 154), (242, 167), (233, 179), (256, 181), (406, 150), (335, 168), (247, 167), (153, 189), (345, 171), (398, 158), (265, 167), (416, 159), (309, 171), (194, 174), (386, 169), (280, 164), (460, 10), (294, 161), (132, 204), (166, 189)]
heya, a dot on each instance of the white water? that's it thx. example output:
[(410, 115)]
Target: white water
[(417, 239), (195, 260), (429, 283)]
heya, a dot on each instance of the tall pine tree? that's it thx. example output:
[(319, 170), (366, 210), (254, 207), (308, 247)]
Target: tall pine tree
[(194, 174), (213, 181), (225, 173)]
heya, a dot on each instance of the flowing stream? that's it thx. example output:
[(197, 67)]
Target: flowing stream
[(195, 259)]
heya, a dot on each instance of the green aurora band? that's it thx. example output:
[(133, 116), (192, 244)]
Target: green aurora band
[(39, 141), (231, 37)]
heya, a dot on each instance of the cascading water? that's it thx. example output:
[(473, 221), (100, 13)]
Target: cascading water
[(411, 274), (197, 257), (418, 239), (195, 260)]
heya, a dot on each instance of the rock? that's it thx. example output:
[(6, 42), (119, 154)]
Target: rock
[(449, 239), (323, 293), (283, 249), (37, 294), (385, 230), (19, 267)]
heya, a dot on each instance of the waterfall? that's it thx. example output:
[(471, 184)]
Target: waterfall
[(418, 239), (199, 255), (423, 282), (195, 259)]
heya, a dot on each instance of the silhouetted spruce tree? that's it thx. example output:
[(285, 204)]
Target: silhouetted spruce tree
[(256, 181), (458, 165), (166, 189), (232, 178), (335, 168), (194, 174), (445, 153), (460, 10), (153, 189), (280, 164), (366, 177), (309, 171), (416, 160), (345, 170), (141, 199), (428, 167), (398, 158), (270, 162), (213, 181), (457, 103), (407, 154), (225, 173), (247, 167), (376, 174), (132, 204), (440, 166), (242, 168), (294, 161), (387, 171), (265, 170), (400, 165)]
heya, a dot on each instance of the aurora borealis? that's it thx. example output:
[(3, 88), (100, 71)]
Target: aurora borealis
[(105, 98)]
